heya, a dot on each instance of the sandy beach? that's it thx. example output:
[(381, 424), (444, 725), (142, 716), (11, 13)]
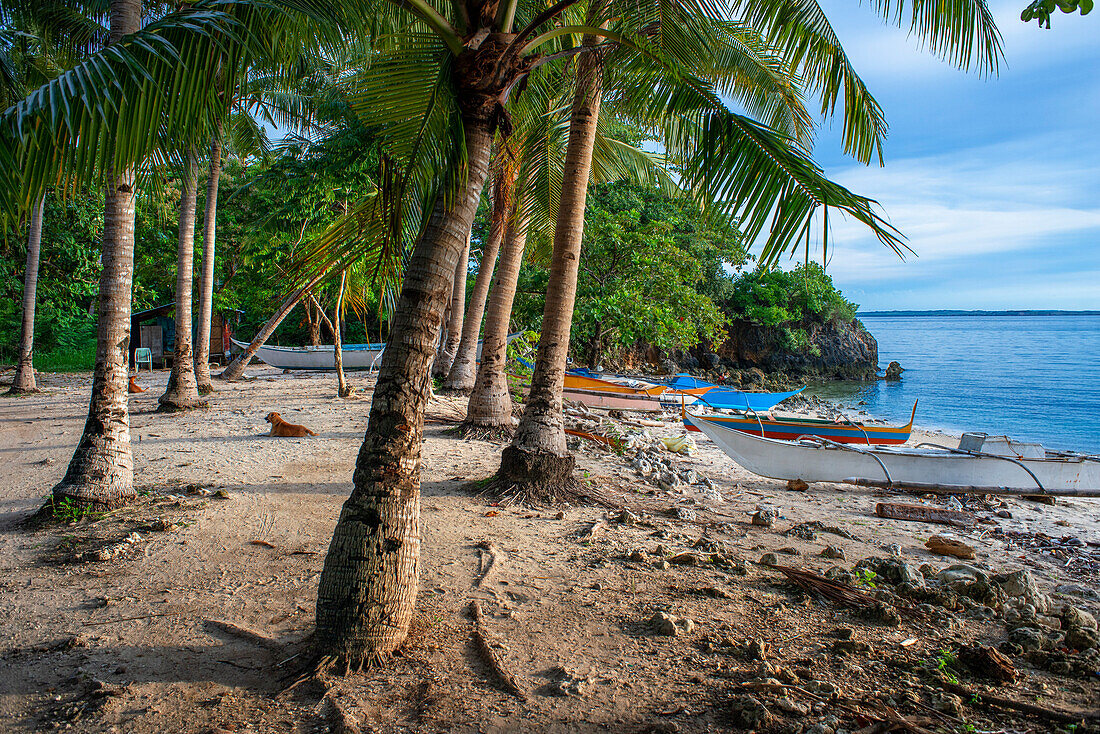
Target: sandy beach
[(198, 623)]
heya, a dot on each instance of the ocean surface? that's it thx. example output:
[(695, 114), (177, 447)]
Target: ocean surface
[(1034, 377)]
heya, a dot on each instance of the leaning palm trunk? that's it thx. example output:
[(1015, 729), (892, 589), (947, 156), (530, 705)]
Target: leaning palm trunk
[(491, 402), (182, 392), (236, 368), (206, 287), (537, 463), (342, 387), (101, 472), (367, 590), (463, 371), (446, 356), (24, 381)]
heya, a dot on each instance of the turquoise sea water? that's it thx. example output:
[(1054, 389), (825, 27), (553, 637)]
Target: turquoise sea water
[(1033, 377)]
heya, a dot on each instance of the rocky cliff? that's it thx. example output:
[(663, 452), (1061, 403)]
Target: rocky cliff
[(831, 350)]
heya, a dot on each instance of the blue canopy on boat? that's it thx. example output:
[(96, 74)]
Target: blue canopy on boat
[(722, 397)]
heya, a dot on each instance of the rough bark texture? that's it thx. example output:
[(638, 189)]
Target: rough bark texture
[(182, 391), (342, 387), (24, 381), (206, 283), (314, 324), (464, 368), (236, 368), (537, 461), (367, 590), (490, 402), (446, 356), (101, 472)]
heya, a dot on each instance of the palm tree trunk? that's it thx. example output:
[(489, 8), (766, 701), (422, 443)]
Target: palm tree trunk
[(446, 357), (206, 287), (314, 324), (236, 368), (367, 590), (101, 472), (24, 381), (463, 370), (538, 462), (342, 387), (491, 402), (182, 392)]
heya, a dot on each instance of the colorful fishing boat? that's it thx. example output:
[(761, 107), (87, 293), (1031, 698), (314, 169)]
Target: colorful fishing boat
[(980, 464), (792, 428), (323, 357), (619, 393)]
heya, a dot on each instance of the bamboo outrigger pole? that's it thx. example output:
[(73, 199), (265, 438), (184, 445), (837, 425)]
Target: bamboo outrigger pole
[(967, 489)]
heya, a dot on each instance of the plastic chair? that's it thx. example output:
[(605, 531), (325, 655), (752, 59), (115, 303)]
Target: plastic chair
[(143, 354)]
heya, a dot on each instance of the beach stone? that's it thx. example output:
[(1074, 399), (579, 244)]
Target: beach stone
[(662, 565), (1022, 585), (686, 514), (765, 518), (791, 707), (893, 549), (833, 551), (769, 559), (1081, 638), (1078, 590), (1029, 639), (1073, 618), (891, 570), (669, 625), (748, 712), (1003, 514), (637, 555), (961, 572), (686, 559), (789, 551)]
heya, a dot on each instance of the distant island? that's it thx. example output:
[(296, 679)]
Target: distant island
[(955, 312)]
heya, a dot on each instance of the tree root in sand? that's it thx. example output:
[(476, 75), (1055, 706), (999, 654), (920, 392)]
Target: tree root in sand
[(494, 554), (531, 478), (489, 656), (495, 434)]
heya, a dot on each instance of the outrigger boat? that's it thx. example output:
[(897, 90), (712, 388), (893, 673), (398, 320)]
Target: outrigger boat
[(323, 357), (619, 393), (792, 428), (683, 389), (981, 464)]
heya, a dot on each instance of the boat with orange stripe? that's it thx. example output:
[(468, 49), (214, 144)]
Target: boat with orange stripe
[(791, 428)]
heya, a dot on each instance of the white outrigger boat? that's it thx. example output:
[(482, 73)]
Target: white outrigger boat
[(323, 357), (981, 464)]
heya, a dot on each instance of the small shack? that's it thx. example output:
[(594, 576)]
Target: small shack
[(155, 328)]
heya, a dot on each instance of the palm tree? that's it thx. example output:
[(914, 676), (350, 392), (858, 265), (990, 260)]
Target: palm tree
[(206, 281), (182, 392), (453, 334), (101, 472), (24, 382), (461, 377)]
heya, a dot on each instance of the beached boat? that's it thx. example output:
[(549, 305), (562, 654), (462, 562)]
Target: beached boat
[(621, 393), (323, 357), (791, 428), (981, 464)]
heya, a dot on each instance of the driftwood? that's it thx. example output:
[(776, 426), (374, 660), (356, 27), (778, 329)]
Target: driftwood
[(1063, 717), (924, 513), (489, 656), (968, 489), (989, 662)]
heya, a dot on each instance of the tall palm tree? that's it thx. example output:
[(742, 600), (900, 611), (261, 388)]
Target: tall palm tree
[(101, 472), (182, 392), (206, 280), (24, 382), (455, 313), (461, 377)]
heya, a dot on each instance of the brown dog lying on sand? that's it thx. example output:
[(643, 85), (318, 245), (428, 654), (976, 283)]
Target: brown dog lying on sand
[(134, 387), (279, 427)]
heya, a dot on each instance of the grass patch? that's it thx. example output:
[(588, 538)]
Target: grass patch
[(67, 511), (67, 360)]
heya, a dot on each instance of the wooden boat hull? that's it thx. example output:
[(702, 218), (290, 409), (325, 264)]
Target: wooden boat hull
[(619, 385), (323, 357), (812, 462), (793, 428), (639, 401)]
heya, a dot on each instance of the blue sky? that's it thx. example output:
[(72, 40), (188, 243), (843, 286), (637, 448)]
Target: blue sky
[(995, 182)]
